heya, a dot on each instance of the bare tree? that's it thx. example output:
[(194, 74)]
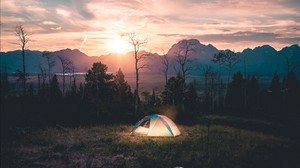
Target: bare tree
[(43, 75), (72, 76), (50, 63), (23, 40), (185, 51), (67, 67), (138, 57), (165, 69), (212, 87), (42, 87), (227, 59)]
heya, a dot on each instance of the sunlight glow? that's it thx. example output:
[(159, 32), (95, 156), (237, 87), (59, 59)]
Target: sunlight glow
[(119, 45)]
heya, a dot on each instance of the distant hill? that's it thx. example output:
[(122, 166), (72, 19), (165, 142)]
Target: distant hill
[(11, 61), (262, 60), (200, 52), (266, 60)]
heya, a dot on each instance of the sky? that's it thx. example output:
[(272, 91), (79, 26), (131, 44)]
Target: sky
[(98, 27)]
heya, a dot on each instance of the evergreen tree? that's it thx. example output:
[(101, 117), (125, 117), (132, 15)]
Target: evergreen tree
[(122, 89), (98, 82), (123, 102), (73, 92), (56, 93), (191, 101), (234, 97), (174, 91), (153, 98), (276, 96), (292, 92), (98, 92), (275, 85), (4, 84), (252, 90), (81, 90)]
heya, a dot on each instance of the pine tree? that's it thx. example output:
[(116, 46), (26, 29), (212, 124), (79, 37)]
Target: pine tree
[(276, 96), (98, 82), (292, 92), (252, 90), (122, 89), (56, 93), (234, 97)]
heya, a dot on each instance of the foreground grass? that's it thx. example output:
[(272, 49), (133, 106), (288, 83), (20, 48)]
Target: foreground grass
[(112, 146)]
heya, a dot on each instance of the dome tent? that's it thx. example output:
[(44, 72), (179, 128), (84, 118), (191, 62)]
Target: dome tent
[(155, 125)]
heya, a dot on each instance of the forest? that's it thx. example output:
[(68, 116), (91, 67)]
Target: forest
[(107, 98)]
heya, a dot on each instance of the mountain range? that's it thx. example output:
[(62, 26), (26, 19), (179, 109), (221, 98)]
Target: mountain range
[(262, 60)]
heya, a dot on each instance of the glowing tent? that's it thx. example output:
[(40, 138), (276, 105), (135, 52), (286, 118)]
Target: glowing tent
[(155, 125)]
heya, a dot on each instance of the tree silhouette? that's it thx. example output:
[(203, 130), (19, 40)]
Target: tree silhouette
[(67, 67), (227, 59), (212, 88), (23, 40), (185, 51), (98, 82), (276, 95), (4, 84), (56, 93), (138, 57), (153, 99), (175, 90), (122, 89), (191, 101), (292, 92), (252, 90), (42, 86), (165, 69), (50, 62), (98, 90), (234, 97), (275, 84), (165, 62)]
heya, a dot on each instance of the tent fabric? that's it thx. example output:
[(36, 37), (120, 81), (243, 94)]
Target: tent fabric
[(155, 125)]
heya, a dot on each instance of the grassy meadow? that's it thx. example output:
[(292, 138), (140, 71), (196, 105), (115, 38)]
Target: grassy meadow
[(224, 142)]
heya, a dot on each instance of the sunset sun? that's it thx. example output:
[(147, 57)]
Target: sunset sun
[(119, 45)]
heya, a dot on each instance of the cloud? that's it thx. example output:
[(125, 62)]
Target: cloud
[(48, 23), (63, 12), (163, 22), (55, 28), (170, 35), (237, 37)]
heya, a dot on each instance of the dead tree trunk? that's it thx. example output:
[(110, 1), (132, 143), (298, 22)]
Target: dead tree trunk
[(23, 40), (137, 43)]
